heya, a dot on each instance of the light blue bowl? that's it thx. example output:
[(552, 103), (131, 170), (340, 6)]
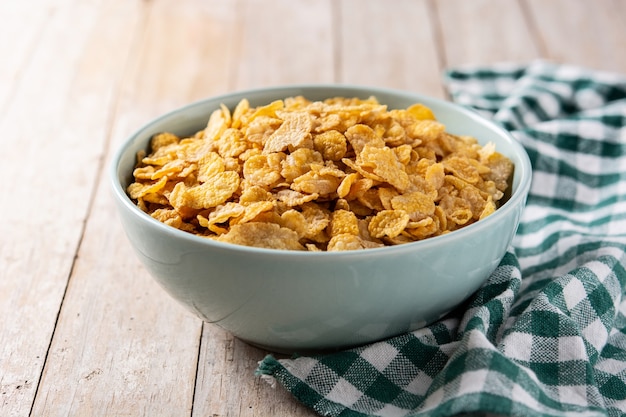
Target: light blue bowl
[(290, 301)]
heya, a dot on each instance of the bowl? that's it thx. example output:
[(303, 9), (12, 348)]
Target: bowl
[(293, 301)]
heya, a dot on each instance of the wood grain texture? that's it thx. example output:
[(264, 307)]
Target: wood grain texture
[(84, 329), (227, 386), (283, 42), (49, 169), (590, 34), (21, 28), (122, 346), (485, 32), (389, 44)]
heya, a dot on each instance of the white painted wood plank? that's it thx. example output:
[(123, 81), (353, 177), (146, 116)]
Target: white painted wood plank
[(227, 385), (485, 32), (580, 32), (122, 346), (283, 42), (388, 44), (22, 25), (51, 144)]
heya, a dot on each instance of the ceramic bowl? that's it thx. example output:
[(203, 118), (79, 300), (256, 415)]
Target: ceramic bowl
[(291, 301)]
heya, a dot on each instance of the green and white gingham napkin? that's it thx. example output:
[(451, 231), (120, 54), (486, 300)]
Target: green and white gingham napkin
[(546, 334)]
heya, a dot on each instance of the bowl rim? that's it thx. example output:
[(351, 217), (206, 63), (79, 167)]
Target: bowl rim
[(517, 198)]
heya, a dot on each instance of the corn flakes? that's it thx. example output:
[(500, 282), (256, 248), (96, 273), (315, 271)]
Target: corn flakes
[(262, 235), (332, 175), (388, 223)]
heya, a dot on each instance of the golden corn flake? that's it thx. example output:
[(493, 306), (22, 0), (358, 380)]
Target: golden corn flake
[(388, 223), (222, 214), (207, 195), (461, 168), (299, 162), (210, 165), (420, 112), (323, 181), (137, 190), (346, 184), (359, 188), (427, 130), (295, 220), (254, 210), (343, 221), (263, 170), (361, 135), (383, 162), (168, 216), (332, 145), (317, 219), (416, 204), (295, 198), (345, 241), (163, 139), (293, 133), (332, 175), (254, 193), (240, 110), (386, 194), (434, 175), (262, 235), (218, 122)]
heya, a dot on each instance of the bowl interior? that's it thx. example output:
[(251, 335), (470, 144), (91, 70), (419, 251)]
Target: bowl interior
[(458, 120)]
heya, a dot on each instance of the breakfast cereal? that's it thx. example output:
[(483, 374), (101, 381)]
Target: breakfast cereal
[(331, 175)]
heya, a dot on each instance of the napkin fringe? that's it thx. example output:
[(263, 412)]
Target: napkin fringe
[(267, 366)]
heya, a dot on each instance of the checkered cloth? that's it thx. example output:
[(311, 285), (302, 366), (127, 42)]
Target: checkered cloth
[(546, 334)]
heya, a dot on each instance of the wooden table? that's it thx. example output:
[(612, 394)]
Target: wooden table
[(85, 331)]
